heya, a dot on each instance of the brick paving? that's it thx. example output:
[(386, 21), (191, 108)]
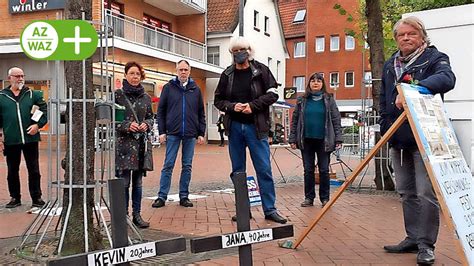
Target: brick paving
[(351, 233)]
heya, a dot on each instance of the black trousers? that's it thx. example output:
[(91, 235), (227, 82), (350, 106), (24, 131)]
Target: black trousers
[(31, 155), (313, 148)]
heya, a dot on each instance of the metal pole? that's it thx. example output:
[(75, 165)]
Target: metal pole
[(241, 18), (242, 206)]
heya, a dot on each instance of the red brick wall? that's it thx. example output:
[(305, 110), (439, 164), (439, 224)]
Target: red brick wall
[(11, 26), (324, 20)]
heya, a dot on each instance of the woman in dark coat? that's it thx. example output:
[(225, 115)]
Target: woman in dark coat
[(316, 130), (133, 156)]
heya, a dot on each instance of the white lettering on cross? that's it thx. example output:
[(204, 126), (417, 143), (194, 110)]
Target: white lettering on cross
[(77, 40)]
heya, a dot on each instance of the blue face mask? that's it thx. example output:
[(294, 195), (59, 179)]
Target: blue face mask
[(240, 57)]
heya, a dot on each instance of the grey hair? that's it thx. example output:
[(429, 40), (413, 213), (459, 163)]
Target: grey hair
[(11, 70), (185, 61), (241, 42), (415, 23)]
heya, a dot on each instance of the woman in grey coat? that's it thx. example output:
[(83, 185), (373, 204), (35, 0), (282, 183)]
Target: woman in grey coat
[(316, 130), (133, 156)]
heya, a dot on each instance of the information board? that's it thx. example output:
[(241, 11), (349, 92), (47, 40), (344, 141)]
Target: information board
[(444, 161)]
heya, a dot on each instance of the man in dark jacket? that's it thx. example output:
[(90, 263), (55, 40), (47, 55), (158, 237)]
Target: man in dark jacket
[(245, 91), (415, 62), (180, 118), (22, 113)]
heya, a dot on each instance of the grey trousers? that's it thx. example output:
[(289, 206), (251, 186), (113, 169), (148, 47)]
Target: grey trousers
[(420, 205)]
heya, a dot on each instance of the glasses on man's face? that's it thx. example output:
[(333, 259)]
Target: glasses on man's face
[(18, 76), (239, 50)]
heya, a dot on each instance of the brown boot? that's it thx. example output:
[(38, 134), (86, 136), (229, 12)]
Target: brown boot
[(139, 222)]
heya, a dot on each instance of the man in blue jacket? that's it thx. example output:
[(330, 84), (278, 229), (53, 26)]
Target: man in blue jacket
[(22, 113), (415, 62), (180, 119)]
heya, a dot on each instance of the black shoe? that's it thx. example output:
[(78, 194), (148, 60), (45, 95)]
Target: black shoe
[(307, 203), (324, 202), (139, 222), (13, 203), (234, 218), (404, 247), (159, 202), (185, 202), (38, 203), (425, 256), (276, 218)]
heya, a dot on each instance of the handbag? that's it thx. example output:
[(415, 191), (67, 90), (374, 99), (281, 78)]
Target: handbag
[(148, 156)]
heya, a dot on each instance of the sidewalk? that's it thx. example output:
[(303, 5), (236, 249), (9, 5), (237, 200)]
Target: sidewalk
[(352, 232)]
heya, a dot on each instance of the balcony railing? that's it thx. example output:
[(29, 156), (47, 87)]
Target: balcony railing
[(136, 31)]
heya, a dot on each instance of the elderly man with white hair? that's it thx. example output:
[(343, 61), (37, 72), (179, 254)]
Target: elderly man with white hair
[(22, 114), (245, 91), (419, 63)]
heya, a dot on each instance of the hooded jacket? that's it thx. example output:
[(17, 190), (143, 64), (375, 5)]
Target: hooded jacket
[(432, 70), (15, 116), (263, 92), (181, 110)]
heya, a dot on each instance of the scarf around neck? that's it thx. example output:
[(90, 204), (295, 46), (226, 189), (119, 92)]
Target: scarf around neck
[(132, 90), (401, 63)]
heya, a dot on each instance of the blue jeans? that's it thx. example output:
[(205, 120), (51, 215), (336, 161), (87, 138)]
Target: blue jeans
[(312, 148), (136, 179), (172, 146), (245, 135), (419, 201)]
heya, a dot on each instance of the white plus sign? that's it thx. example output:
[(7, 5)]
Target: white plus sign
[(77, 40)]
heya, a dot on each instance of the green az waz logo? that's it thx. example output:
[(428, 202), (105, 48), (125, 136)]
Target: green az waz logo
[(59, 40)]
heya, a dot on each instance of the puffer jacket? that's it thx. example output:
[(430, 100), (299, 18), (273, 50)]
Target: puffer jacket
[(432, 70), (15, 116), (263, 91), (333, 133)]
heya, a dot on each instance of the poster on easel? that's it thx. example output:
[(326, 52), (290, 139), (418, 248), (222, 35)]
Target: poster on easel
[(443, 159), (445, 163)]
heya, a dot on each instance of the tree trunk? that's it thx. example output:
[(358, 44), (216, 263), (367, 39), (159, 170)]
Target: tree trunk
[(376, 42), (74, 241)]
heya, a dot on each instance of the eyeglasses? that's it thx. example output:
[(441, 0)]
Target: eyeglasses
[(134, 74), (18, 76), (239, 50)]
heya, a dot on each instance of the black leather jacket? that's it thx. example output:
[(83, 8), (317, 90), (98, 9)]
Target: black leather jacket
[(263, 92)]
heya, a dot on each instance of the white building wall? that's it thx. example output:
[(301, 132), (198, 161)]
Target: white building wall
[(455, 37), (264, 47)]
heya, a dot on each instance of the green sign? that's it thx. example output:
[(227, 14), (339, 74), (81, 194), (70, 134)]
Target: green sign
[(59, 40)]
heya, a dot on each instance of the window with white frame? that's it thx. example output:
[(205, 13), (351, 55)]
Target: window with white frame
[(300, 48), (349, 79), (319, 44), (266, 26), (334, 79), (299, 16), (213, 55), (298, 82), (334, 43), (255, 19), (350, 42), (368, 78)]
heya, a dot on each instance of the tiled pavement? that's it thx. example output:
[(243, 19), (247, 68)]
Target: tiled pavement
[(351, 233)]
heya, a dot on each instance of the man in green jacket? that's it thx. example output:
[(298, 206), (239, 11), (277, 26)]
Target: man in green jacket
[(22, 113)]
